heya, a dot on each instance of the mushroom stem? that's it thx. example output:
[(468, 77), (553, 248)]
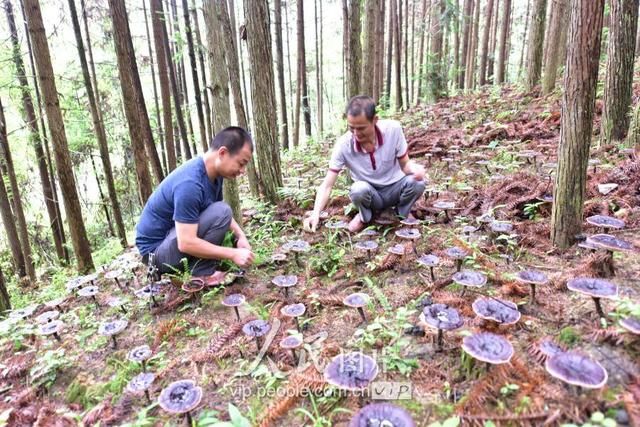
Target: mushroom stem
[(124, 310), (57, 337), (440, 340), (297, 257), (464, 288), (146, 393), (286, 292), (458, 265), (237, 313), (295, 356), (433, 277), (297, 323), (361, 311), (189, 419), (258, 343), (446, 215), (118, 282), (598, 307), (154, 302), (533, 293), (113, 341), (144, 366)]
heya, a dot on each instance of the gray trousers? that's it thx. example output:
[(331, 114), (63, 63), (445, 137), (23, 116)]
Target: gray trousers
[(212, 226), (370, 199)]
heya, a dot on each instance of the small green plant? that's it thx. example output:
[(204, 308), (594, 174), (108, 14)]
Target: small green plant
[(209, 418), (449, 422), (532, 210), (45, 370), (568, 336), (316, 418), (143, 418), (182, 275)]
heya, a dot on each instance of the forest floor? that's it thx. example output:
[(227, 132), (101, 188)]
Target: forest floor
[(82, 378)]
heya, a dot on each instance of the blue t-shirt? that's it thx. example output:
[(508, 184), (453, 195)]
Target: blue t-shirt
[(181, 197)]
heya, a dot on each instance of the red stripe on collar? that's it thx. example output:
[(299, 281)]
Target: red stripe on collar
[(357, 146)]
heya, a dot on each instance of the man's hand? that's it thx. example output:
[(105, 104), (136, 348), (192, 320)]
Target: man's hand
[(311, 223), (242, 257), (243, 243), (418, 171)]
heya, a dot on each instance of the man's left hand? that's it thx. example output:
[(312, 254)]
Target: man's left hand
[(243, 243), (418, 171)]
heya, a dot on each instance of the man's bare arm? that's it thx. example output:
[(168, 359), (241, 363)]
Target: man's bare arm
[(322, 198), (190, 243)]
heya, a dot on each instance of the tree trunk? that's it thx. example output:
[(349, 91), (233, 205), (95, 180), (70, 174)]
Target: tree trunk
[(412, 54), (284, 130), (345, 48), (220, 90), (421, 66), (493, 42), (11, 231), (397, 37), (194, 74), (554, 45), (98, 127), (473, 50), (387, 91), (42, 57), (436, 80), (580, 78), (205, 96), (6, 168), (355, 48), (466, 37), (292, 120), (231, 51), (104, 202), (34, 134), (319, 73), (536, 43), (619, 72), (128, 71), (405, 51), (245, 92), (366, 82), (302, 69), (263, 96), (524, 39), (503, 53), (157, 23), (379, 52), (488, 15), (5, 301)]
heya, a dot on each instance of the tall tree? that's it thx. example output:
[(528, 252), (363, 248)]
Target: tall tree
[(536, 43), (379, 51), (389, 54), (412, 57), (200, 49), (302, 69), (580, 78), (493, 43), (436, 80), (619, 72), (128, 72), (282, 97), (524, 39), (484, 49), (11, 231), (397, 39), (319, 61), (157, 23), (366, 82), (98, 127), (466, 38), (405, 52), (354, 58), (30, 119), (423, 31), (555, 31), (503, 52), (7, 169), (470, 75), (163, 154), (263, 96), (5, 301), (64, 168), (194, 73)]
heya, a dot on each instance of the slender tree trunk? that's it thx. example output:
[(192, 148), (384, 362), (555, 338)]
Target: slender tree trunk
[(493, 42), (366, 82), (79, 239), (5, 301), (263, 96), (397, 11), (580, 78), (387, 92), (34, 133), (292, 120), (158, 39), (405, 51), (163, 154), (619, 72), (436, 80), (345, 48), (319, 67), (524, 39), (205, 96), (101, 135), (473, 49), (243, 72), (466, 37), (536, 43), (410, 98), (6, 166), (11, 231), (128, 71), (503, 53), (104, 202), (194, 73), (231, 51), (421, 67), (296, 109), (379, 54), (488, 15), (553, 49), (355, 48), (284, 130), (302, 70)]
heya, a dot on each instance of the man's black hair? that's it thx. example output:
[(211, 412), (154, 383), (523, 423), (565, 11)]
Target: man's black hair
[(361, 104), (233, 138)]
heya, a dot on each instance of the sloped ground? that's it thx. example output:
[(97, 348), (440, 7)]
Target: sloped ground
[(50, 383)]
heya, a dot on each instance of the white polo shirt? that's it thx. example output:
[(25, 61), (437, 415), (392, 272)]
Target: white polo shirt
[(378, 168)]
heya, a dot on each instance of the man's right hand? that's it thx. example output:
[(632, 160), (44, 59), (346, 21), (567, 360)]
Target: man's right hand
[(242, 257), (311, 222)]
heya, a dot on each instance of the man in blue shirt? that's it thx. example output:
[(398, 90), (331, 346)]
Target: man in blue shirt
[(185, 216)]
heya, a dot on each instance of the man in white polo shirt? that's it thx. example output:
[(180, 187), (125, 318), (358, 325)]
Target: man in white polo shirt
[(376, 153)]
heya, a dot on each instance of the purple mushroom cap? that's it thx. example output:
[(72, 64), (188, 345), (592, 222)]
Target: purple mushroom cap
[(336, 225), (597, 288), (456, 252), (501, 227), (278, 257), (366, 245), (113, 274), (51, 328), (233, 300), (488, 347), (501, 311), (531, 277), (396, 249), (351, 371), (140, 353), (356, 300), (429, 260), (256, 328), (149, 291), (47, 316), (631, 324), (193, 285), (383, 415), (408, 233), (609, 242), (285, 281), (89, 291), (576, 368), (469, 229), (113, 327), (290, 342), (55, 302), (605, 221), (74, 284), (469, 278), (180, 397), (441, 316), (297, 246), (549, 348), (293, 310), (444, 205), (141, 382), (115, 302), (368, 232), (410, 222)]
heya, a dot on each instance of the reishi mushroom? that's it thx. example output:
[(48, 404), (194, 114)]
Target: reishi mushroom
[(532, 278), (292, 342), (112, 328), (458, 254), (181, 397), (294, 311), (141, 383), (357, 300), (382, 415), (497, 310), (234, 300), (488, 347), (431, 261), (469, 278), (140, 355), (576, 368), (285, 282), (351, 371), (595, 288), (256, 329), (440, 317)]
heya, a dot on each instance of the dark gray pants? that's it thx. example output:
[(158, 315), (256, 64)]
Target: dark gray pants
[(212, 226), (370, 199)]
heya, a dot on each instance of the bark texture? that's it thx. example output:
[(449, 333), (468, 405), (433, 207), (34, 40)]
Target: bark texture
[(503, 52), (354, 58), (536, 43), (484, 49)]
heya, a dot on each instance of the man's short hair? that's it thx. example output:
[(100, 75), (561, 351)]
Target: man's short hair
[(233, 138), (361, 104)]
